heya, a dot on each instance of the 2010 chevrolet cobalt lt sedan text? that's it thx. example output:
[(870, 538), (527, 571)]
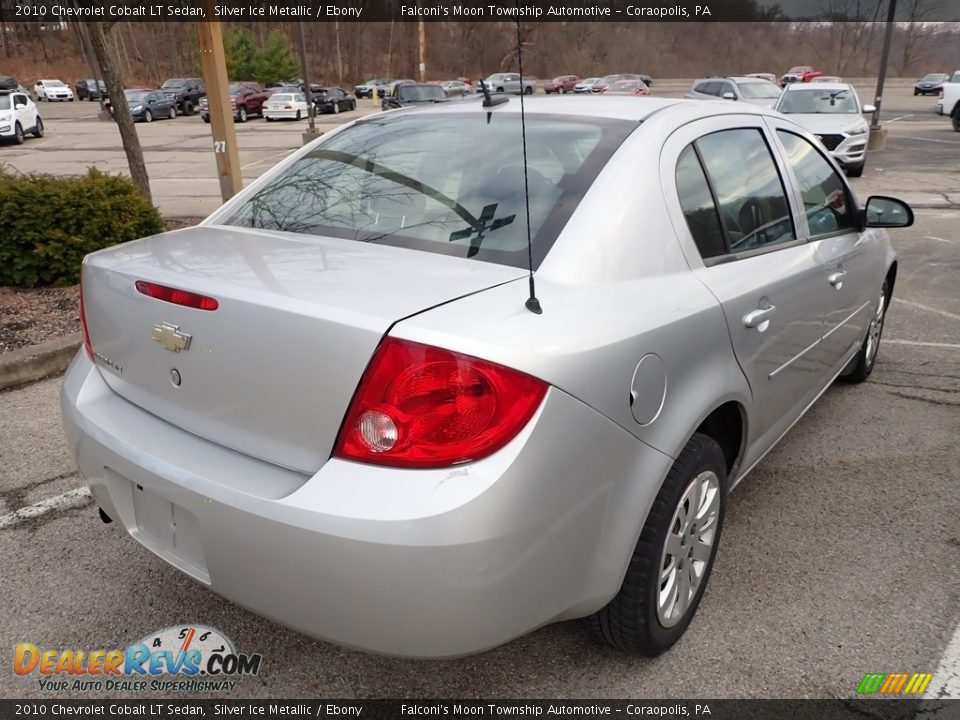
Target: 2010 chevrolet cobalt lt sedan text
[(329, 402)]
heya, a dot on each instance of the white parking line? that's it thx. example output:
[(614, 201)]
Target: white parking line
[(920, 343), (269, 157), (71, 498), (934, 237), (902, 117), (938, 311), (946, 678)]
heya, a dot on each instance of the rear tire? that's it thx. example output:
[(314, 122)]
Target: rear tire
[(299, 115), (862, 364), (187, 107), (956, 118), (528, 90), (671, 563), (206, 119), (38, 128)]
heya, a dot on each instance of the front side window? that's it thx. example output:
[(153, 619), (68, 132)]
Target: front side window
[(750, 194), (824, 193), (450, 184)]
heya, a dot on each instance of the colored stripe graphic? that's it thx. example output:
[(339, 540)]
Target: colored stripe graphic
[(894, 683)]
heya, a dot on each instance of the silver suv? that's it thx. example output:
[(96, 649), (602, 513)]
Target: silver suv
[(755, 91), (510, 83)]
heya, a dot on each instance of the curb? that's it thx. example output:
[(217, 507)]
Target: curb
[(38, 361)]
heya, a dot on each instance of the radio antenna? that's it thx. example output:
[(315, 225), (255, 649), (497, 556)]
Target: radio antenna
[(532, 304)]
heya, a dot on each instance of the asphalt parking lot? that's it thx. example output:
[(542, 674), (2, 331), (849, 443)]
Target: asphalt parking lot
[(840, 554)]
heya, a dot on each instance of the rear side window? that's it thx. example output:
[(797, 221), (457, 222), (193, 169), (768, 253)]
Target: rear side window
[(698, 206), (443, 183), (748, 188), (825, 200)]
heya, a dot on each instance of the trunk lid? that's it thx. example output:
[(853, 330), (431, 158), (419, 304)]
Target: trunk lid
[(272, 370)]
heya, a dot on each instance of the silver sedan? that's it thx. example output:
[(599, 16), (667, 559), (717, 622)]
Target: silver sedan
[(330, 402)]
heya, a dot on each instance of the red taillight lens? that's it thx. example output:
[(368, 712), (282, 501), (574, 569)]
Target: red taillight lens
[(423, 407), (87, 345), (177, 297)]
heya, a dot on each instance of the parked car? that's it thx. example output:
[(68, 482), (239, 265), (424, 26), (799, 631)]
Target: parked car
[(150, 105), (336, 100), (628, 87), (365, 89), (832, 112), (52, 90), (331, 387), (647, 80), (90, 89), (187, 92), (606, 81), (19, 116), (799, 74), (949, 103), (561, 84), (584, 85), (246, 99), (510, 83), (827, 79), (290, 106), (748, 89), (8, 83), (456, 88), (930, 84), (769, 77), (108, 105), (406, 95)]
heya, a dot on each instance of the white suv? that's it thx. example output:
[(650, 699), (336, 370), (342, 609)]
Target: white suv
[(18, 116), (52, 90)]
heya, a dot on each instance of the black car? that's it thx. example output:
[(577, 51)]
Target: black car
[(416, 94), (930, 84), (90, 89), (333, 100), (187, 91), (148, 105)]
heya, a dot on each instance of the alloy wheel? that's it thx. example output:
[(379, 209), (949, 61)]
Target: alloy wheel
[(876, 327)]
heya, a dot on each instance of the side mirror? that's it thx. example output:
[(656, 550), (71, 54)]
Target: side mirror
[(867, 109), (728, 96), (886, 212)]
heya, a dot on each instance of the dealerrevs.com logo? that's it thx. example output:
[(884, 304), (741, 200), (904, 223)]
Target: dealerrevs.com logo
[(181, 658)]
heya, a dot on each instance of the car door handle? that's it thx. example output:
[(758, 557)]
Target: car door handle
[(836, 279), (757, 317)]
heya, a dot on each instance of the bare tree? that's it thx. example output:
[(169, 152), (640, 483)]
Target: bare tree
[(106, 59), (915, 30)]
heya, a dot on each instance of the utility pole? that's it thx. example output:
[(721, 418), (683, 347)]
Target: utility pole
[(336, 29), (423, 50), (213, 65), (311, 132), (878, 135)]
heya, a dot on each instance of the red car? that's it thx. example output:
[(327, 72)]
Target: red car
[(799, 73), (561, 84)]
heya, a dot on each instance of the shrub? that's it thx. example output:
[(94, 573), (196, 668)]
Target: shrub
[(48, 223)]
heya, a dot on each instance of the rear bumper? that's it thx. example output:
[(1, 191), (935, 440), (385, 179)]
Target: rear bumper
[(283, 114), (413, 563)]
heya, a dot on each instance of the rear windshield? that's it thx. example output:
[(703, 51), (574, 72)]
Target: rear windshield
[(449, 184), (760, 91), (420, 93)]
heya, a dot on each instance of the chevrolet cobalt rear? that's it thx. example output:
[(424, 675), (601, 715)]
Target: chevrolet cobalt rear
[(331, 402)]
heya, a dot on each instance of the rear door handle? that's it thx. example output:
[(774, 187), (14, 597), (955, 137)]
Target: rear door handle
[(757, 317), (836, 279)]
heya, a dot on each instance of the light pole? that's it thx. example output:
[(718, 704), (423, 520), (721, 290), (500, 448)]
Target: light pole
[(878, 135), (311, 132)]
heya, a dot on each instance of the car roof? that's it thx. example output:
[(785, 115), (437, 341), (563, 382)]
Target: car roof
[(798, 87)]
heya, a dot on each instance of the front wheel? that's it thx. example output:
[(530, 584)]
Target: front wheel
[(336, 108), (242, 114), (148, 116), (18, 134), (299, 115), (856, 170), (187, 107), (671, 563), (956, 118), (206, 119), (173, 112), (862, 364), (528, 90)]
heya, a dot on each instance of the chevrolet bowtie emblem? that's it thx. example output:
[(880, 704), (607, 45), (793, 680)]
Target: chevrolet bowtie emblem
[(170, 337)]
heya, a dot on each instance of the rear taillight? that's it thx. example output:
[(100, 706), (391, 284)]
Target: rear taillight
[(419, 406), (87, 345), (177, 297)]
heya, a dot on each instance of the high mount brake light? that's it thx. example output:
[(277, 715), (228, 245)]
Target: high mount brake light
[(177, 297), (419, 406)]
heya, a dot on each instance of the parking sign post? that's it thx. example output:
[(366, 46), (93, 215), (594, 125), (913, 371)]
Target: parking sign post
[(214, 68)]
